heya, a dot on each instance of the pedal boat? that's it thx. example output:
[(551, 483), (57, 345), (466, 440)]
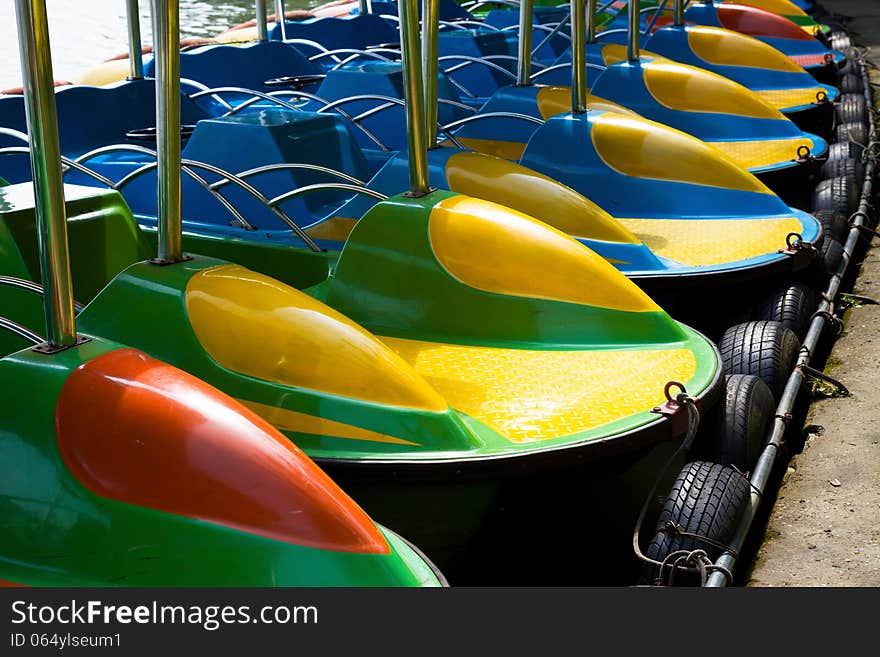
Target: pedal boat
[(803, 48), (120, 470), (677, 227), (92, 427)]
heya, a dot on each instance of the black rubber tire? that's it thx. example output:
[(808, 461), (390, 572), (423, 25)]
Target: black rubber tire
[(840, 194), (835, 224), (842, 162), (851, 108), (830, 254), (855, 133), (849, 66), (840, 41), (761, 348), (744, 423), (851, 83), (707, 499), (792, 306)]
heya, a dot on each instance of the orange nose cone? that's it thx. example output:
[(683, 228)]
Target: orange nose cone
[(759, 22), (139, 431)]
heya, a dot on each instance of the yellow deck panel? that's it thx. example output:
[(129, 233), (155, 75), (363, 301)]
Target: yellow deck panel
[(702, 242), (783, 98), (530, 396), (752, 154)]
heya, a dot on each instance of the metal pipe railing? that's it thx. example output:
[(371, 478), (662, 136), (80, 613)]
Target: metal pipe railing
[(413, 88), (279, 18), (135, 54), (764, 467), (578, 57), (260, 16), (552, 33), (430, 65), (166, 51), (21, 331), (45, 156), (633, 34), (524, 45)]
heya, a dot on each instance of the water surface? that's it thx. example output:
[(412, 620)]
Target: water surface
[(86, 32)]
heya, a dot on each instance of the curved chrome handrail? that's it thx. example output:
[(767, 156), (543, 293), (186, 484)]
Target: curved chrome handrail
[(11, 132), (351, 58), (250, 189), (281, 166), (470, 6), (462, 25), (30, 286), (556, 30), (467, 60), (563, 65), (21, 331), (493, 115), (547, 27), (387, 103), (66, 164), (273, 97), (203, 87), (311, 44), (318, 187), (346, 51), (605, 33), (455, 103), (121, 148)]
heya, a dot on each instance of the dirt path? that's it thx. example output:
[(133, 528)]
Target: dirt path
[(825, 527)]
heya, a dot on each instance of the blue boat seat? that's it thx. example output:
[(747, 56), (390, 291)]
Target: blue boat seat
[(355, 31), (89, 118), (250, 140), (382, 79), (247, 66)]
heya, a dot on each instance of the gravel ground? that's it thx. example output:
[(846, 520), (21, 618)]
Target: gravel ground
[(824, 529)]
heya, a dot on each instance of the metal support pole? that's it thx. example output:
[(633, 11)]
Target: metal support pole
[(279, 18), (135, 56), (166, 50), (430, 65), (524, 61), (364, 7), (260, 14), (413, 87), (678, 13), (578, 57), (633, 32), (591, 21), (45, 153)]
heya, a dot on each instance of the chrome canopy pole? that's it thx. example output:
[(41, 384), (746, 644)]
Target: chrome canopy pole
[(135, 55), (524, 54), (279, 18), (678, 13), (413, 88), (430, 65), (578, 57), (591, 21), (166, 47), (45, 153), (633, 36), (260, 15), (363, 7)]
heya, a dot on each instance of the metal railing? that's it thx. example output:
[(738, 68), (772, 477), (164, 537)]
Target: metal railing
[(760, 475)]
